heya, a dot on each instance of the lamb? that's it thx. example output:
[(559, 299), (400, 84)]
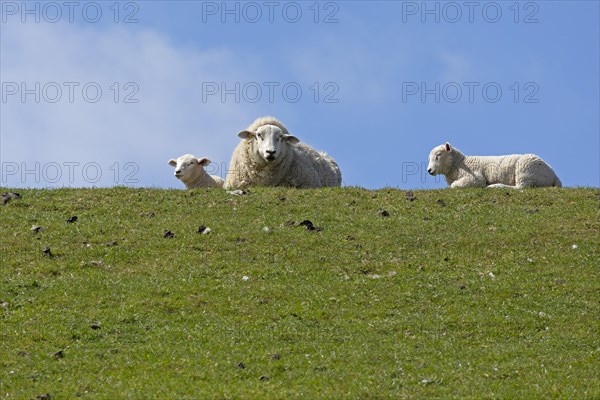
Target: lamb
[(269, 155), (511, 171), (190, 171)]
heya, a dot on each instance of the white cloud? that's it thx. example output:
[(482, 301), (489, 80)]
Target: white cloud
[(169, 119)]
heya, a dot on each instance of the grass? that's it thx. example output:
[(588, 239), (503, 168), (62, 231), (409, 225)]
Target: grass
[(455, 294)]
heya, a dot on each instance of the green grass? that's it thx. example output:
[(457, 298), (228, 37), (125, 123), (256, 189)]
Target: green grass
[(457, 294)]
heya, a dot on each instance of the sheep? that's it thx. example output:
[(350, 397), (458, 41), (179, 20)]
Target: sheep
[(511, 171), (190, 171), (269, 155)]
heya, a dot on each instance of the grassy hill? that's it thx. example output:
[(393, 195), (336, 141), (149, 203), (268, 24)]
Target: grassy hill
[(430, 294)]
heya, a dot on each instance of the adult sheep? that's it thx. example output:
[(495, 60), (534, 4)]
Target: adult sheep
[(190, 170), (512, 171), (269, 155)]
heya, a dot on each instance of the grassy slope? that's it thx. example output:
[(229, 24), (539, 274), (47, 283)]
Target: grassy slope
[(457, 294)]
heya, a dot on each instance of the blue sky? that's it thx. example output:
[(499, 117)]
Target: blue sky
[(98, 95)]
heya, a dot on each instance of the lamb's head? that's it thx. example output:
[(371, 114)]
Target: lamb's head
[(187, 167), (269, 142), (441, 159)]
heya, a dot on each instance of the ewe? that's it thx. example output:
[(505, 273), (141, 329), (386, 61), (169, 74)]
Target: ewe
[(513, 171), (269, 156), (190, 171)]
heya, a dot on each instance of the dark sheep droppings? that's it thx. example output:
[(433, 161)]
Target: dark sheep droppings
[(72, 219), (410, 196), (307, 223), (168, 234), (59, 354)]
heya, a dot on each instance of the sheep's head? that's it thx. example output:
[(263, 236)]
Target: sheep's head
[(269, 141), (186, 166), (440, 159)]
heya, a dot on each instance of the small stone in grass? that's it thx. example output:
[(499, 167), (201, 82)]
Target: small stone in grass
[(36, 228), (384, 213), (237, 192), (204, 230), (45, 396), (168, 234), (47, 252), (264, 378), (95, 326), (574, 246), (441, 203), (245, 278), (241, 365), (72, 219), (266, 229), (410, 196)]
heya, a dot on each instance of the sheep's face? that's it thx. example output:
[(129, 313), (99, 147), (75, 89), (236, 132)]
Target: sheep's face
[(440, 159), (186, 167), (269, 142)]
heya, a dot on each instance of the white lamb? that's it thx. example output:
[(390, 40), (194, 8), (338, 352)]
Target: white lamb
[(269, 156), (190, 171), (512, 171)]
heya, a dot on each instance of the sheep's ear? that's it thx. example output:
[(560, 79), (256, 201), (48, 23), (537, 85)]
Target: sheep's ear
[(172, 163), (203, 161), (292, 139), (448, 147), (246, 135)]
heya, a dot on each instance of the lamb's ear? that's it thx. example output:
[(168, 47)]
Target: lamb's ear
[(448, 147), (172, 163), (247, 135), (203, 161), (292, 139)]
